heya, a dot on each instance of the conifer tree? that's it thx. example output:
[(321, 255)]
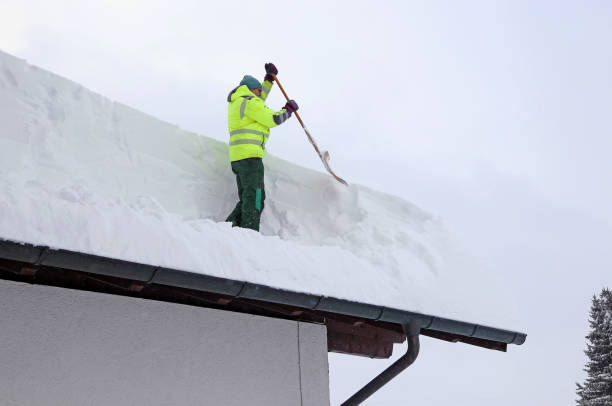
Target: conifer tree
[(597, 388)]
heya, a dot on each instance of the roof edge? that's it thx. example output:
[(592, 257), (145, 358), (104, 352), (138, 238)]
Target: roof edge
[(60, 258)]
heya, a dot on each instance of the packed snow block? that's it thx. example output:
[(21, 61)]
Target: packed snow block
[(98, 265), (20, 252), (189, 280)]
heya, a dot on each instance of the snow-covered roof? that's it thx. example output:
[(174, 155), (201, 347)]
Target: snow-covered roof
[(83, 173)]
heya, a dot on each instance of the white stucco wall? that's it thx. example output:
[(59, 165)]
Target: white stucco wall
[(67, 347)]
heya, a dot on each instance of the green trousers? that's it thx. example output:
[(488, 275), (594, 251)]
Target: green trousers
[(251, 194)]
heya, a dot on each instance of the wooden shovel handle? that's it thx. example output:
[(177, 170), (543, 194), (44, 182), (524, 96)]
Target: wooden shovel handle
[(287, 97)]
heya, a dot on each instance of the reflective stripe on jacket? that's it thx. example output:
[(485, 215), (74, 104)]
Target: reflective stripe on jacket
[(249, 122)]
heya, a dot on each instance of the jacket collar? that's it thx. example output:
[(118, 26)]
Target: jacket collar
[(239, 91)]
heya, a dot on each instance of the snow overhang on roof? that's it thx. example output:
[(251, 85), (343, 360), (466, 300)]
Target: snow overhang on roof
[(353, 327)]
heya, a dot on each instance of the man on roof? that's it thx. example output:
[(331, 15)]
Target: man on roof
[(249, 123)]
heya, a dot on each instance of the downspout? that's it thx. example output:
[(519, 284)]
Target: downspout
[(412, 331)]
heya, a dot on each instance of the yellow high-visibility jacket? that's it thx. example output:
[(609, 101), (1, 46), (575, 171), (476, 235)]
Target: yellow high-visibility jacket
[(249, 122)]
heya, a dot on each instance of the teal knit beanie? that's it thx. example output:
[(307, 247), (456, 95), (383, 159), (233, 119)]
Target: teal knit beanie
[(251, 82)]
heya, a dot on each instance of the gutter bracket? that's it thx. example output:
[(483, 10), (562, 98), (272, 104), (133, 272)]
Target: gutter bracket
[(412, 331), (43, 255)]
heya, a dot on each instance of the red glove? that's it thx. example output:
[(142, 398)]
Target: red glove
[(291, 106), (270, 70)]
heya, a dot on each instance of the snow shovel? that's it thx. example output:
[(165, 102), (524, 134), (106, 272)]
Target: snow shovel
[(323, 155)]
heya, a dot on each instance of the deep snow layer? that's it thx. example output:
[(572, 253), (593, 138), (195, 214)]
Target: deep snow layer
[(81, 172)]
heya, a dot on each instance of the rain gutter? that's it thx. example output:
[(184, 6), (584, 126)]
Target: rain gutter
[(59, 258)]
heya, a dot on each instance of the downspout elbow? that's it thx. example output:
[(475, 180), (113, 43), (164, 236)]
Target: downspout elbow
[(412, 331)]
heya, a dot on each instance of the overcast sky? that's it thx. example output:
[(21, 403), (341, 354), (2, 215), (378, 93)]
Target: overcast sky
[(494, 115)]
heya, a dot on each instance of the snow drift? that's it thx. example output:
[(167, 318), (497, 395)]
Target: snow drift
[(81, 172)]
